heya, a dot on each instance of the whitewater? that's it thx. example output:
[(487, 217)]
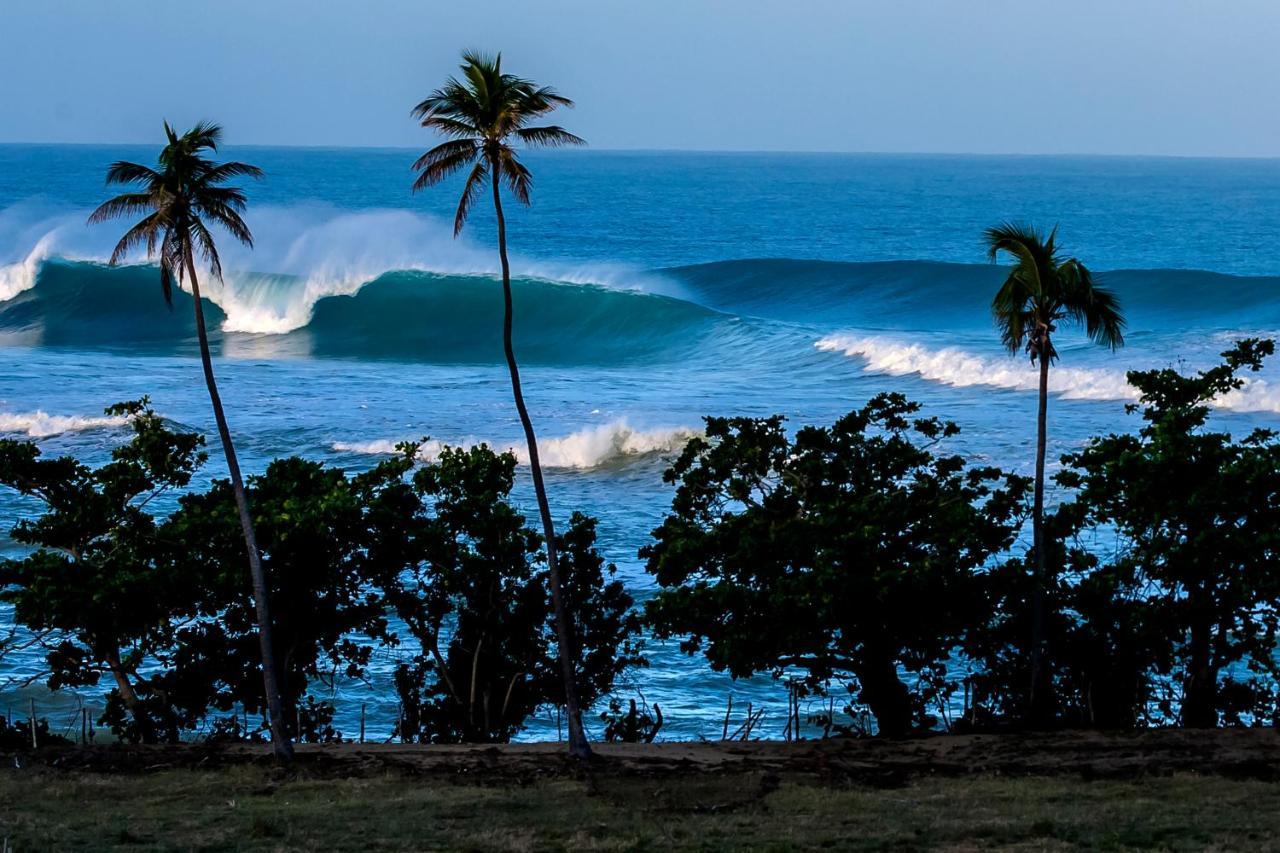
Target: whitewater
[(651, 290)]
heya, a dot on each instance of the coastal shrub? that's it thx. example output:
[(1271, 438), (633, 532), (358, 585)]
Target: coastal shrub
[(327, 616), (639, 723), (849, 553), (469, 581), (1195, 517), (99, 590), (1103, 645), (1164, 590)]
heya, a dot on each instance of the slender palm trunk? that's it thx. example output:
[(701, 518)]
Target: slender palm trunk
[(1037, 700), (280, 741), (578, 746)]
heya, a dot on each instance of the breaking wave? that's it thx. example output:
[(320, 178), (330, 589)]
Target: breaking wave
[(40, 424), (593, 447), (959, 368)]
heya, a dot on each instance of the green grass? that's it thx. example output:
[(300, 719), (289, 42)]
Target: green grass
[(246, 808)]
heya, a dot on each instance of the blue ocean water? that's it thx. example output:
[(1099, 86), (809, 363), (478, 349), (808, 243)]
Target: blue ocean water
[(652, 289)]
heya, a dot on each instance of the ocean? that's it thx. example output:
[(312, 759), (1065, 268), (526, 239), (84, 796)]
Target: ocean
[(651, 289)]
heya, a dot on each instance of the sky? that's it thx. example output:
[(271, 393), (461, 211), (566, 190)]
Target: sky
[(1176, 77)]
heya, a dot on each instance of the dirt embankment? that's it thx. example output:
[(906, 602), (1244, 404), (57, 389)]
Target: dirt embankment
[(1239, 753)]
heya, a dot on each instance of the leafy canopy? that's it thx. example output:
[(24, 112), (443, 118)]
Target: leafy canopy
[(846, 552), (178, 200), (1044, 289), (481, 115)]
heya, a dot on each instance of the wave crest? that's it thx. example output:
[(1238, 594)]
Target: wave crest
[(958, 368), (593, 447), (40, 424)]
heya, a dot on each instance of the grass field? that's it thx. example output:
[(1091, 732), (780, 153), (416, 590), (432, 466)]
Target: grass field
[(241, 808), (506, 801)]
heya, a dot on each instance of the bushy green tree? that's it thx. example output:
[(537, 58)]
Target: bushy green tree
[(1196, 520), (848, 552), (1103, 643), (100, 587), (326, 613), (471, 584)]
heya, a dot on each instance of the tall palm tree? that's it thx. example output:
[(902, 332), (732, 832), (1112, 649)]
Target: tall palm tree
[(176, 200), (482, 116), (1042, 291)]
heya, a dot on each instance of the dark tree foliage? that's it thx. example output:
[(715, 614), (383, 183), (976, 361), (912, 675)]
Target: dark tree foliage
[(1102, 644), (1164, 583), (471, 585), (1196, 518), (850, 552), (98, 588), (311, 529)]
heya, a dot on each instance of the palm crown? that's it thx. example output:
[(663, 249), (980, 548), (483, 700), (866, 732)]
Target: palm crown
[(1044, 289), (176, 200), (481, 115)]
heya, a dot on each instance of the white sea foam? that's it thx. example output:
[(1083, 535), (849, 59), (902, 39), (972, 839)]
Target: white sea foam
[(42, 425), (587, 448), (959, 368), (21, 275)]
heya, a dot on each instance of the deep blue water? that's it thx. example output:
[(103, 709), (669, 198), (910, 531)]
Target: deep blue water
[(653, 289)]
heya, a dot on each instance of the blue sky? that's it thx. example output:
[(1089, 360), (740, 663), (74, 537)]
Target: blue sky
[(1184, 77)]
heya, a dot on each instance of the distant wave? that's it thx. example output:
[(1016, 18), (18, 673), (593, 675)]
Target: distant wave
[(919, 295), (393, 284), (40, 424), (302, 254), (959, 368), (584, 449), (401, 315)]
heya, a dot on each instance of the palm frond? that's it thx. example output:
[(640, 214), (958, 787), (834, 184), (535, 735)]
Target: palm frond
[(549, 99), (1090, 305), (226, 171), (1042, 289), (128, 204), (551, 136), (145, 234), (124, 172), (475, 183), (208, 248), (515, 175), (227, 217), (479, 112)]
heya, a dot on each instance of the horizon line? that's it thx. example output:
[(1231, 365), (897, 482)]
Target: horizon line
[(709, 151)]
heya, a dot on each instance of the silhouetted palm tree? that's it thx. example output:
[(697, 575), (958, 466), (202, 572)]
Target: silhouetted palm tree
[(176, 200), (482, 116), (1043, 290)]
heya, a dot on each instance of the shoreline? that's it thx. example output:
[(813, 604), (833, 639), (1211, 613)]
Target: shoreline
[(1165, 790), (1250, 753)]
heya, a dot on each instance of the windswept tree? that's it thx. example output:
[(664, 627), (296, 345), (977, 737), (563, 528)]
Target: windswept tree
[(484, 117), (1044, 290), (178, 202)]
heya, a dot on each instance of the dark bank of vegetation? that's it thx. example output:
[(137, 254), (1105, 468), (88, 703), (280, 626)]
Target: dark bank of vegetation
[(860, 562)]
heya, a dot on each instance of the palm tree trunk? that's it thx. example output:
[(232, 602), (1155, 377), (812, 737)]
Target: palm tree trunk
[(280, 741), (1037, 699), (578, 746)]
